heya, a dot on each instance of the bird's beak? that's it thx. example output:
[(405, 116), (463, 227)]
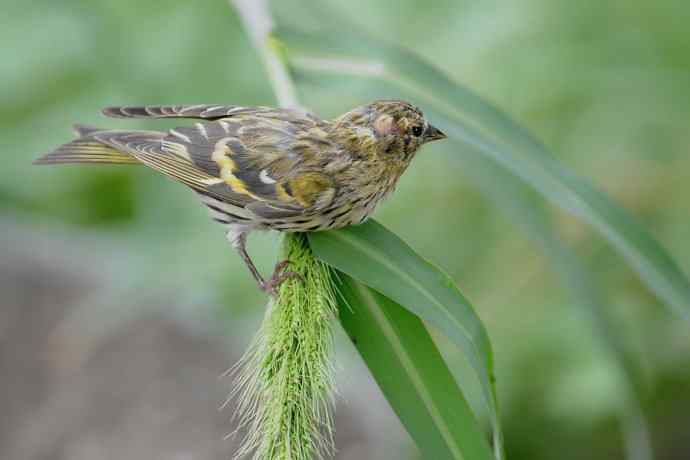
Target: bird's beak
[(433, 134)]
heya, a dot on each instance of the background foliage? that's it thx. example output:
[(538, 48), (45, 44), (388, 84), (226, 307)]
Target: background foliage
[(606, 85)]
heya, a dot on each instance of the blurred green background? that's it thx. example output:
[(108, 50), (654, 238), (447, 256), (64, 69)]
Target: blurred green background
[(103, 264)]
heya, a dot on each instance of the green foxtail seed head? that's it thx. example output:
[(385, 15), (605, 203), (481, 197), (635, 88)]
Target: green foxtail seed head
[(285, 381)]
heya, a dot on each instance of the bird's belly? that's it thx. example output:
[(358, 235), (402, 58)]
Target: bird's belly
[(359, 211), (352, 212), (338, 216)]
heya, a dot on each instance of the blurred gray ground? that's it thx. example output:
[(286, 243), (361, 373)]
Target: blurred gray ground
[(138, 386)]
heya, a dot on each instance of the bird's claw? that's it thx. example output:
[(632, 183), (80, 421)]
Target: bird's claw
[(271, 286)]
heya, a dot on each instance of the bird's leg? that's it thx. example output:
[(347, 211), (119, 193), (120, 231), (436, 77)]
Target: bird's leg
[(239, 241)]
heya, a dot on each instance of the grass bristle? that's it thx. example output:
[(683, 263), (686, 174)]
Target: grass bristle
[(285, 381)]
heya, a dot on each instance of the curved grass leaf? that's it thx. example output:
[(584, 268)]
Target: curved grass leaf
[(373, 255), (410, 371), (466, 117), (519, 201)]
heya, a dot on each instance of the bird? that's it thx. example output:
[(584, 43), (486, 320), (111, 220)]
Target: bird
[(264, 168)]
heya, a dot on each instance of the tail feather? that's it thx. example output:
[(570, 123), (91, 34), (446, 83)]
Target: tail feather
[(86, 130), (86, 149)]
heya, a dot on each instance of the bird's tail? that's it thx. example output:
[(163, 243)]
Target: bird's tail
[(86, 149)]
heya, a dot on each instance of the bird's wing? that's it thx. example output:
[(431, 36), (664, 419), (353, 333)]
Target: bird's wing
[(266, 164), (204, 111)]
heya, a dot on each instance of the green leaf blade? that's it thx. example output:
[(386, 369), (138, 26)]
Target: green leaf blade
[(410, 371), (373, 255), (466, 117)]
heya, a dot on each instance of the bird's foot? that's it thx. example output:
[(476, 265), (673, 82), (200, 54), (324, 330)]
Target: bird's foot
[(271, 286)]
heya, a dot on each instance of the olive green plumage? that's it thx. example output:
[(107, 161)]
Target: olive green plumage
[(266, 168)]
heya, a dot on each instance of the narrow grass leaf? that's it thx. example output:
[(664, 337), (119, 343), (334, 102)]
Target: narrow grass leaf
[(519, 202), (464, 116), (373, 255), (410, 371)]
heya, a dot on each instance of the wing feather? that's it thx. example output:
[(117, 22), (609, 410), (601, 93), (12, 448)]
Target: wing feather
[(205, 111), (268, 161), (262, 158), (147, 148)]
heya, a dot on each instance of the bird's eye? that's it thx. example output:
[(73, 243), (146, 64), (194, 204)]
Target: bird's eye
[(417, 131)]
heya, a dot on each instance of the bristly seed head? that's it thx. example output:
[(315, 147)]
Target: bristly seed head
[(285, 384)]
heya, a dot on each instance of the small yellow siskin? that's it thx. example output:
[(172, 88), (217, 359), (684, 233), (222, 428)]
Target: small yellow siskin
[(259, 168)]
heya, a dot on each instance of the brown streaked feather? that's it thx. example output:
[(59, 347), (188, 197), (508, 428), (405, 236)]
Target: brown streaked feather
[(206, 111), (268, 211), (86, 149), (243, 160), (147, 148), (225, 168), (215, 112), (259, 152)]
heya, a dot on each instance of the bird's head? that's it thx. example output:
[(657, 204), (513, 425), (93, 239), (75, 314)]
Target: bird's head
[(391, 131)]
